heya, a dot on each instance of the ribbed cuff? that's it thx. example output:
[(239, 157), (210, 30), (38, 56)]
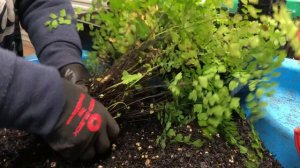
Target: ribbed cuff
[(59, 54)]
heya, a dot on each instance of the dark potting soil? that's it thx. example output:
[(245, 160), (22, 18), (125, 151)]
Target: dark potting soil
[(135, 147)]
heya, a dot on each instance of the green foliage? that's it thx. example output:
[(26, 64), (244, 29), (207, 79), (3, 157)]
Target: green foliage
[(202, 53), (62, 18), (129, 79), (254, 154)]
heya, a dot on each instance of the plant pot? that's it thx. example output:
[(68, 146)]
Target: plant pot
[(282, 116)]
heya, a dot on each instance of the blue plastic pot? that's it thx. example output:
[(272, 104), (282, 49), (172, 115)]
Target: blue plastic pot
[(278, 129), (33, 58)]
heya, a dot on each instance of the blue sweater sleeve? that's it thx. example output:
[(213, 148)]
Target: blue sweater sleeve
[(31, 95), (59, 47)]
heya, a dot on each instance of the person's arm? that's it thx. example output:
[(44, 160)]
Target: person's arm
[(30, 94), (58, 47), (34, 98)]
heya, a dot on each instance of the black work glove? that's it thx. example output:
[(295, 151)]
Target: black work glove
[(76, 73), (85, 127)]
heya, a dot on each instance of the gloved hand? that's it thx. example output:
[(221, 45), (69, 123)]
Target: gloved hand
[(85, 127), (76, 73)]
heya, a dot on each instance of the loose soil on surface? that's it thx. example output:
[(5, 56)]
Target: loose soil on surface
[(135, 147)]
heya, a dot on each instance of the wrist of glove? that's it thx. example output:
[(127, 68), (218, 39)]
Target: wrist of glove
[(85, 127), (76, 73)]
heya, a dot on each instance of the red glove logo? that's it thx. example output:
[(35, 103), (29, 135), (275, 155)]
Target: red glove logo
[(93, 120)]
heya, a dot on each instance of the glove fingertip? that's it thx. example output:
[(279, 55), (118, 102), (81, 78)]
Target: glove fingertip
[(113, 129), (103, 143), (89, 154)]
